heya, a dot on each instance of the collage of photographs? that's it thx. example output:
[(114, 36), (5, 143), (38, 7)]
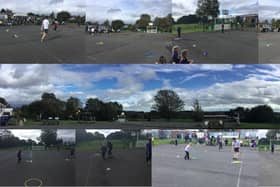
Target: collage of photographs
[(161, 93)]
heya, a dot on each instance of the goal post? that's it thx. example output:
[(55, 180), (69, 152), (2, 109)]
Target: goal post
[(38, 148), (151, 28)]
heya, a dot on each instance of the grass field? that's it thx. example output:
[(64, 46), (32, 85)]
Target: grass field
[(166, 141), (188, 28), (96, 144)]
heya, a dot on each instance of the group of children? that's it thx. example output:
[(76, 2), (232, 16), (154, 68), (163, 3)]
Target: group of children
[(177, 57), (235, 148)]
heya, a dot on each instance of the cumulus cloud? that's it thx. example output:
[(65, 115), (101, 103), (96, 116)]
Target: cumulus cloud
[(236, 7), (76, 7), (218, 87), (126, 10)]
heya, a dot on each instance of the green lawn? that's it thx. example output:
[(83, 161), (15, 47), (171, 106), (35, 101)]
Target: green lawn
[(16, 148), (96, 145), (188, 28), (167, 141)]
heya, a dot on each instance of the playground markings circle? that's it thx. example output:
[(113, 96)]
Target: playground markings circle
[(40, 182), (108, 169)]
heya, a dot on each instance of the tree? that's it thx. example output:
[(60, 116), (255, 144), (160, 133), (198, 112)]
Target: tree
[(188, 19), (103, 111), (49, 137), (261, 114), (144, 21), (167, 102), (197, 111), (165, 23), (72, 106), (3, 101), (63, 16), (52, 15), (117, 24), (271, 134), (106, 23), (206, 8)]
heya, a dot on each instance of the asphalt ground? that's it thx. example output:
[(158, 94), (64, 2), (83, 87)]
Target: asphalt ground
[(22, 44), (208, 167), (127, 47), (269, 44), (50, 168), (125, 168), (270, 167), (231, 47)]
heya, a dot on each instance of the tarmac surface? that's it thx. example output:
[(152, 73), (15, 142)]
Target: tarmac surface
[(70, 44), (22, 44), (208, 167), (48, 168), (125, 168), (270, 167), (127, 47), (231, 47), (269, 45)]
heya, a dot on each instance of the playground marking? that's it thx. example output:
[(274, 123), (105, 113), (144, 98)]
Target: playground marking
[(108, 169), (32, 180), (236, 162), (99, 43), (239, 175)]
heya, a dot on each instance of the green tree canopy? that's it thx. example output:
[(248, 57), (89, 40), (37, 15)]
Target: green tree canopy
[(63, 16), (206, 8), (117, 24), (144, 21), (49, 137), (167, 102)]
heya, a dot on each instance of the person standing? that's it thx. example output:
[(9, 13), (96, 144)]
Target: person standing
[(110, 148), (223, 28), (19, 156), (272, 148), (45, 28), (179, 32), (236, 148), (103, 151), (149, 151), (220, 143)]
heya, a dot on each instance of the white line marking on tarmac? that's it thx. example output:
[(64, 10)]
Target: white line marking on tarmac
[(239, 175)]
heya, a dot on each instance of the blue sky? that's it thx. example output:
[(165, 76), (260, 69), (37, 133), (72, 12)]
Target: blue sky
[(218, 87)]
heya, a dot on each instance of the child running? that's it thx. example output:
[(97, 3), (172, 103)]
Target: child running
[(45, 28), (187, 151)]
